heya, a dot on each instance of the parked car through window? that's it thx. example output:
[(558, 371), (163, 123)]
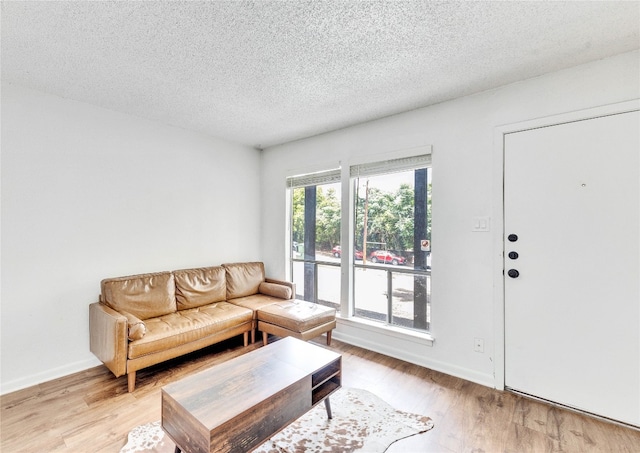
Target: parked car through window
[(337, 253), (385, 257)]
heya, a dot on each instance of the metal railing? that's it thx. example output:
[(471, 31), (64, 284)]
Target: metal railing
[(410, 322), (313, 266)]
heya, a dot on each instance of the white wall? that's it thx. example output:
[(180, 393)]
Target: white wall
[(88, 193), (465, 181)]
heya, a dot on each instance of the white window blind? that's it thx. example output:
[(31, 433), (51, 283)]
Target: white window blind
[(390, 166), (314, 179)]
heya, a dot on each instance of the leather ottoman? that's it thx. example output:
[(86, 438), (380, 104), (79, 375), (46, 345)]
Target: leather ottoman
[(296, 318)]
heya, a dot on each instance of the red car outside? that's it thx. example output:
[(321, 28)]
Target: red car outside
[(382, 256), (337, 252)]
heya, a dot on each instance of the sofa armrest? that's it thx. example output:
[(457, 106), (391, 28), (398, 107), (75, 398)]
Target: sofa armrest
[(290, 285), (136, 328), (108, 337)]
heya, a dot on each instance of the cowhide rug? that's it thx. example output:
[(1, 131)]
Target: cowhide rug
[(361, 422)]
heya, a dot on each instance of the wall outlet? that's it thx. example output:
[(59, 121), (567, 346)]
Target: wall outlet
[(478, 345)]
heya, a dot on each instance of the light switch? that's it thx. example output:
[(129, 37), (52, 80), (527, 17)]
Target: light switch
[(481, 224)]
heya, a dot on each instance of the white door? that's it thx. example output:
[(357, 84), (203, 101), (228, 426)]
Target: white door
[(572, 309)]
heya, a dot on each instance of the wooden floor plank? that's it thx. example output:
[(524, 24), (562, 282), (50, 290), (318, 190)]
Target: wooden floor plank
[(92, 411)]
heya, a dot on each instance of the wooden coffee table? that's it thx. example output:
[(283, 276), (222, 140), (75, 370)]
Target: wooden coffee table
[(239, 404)]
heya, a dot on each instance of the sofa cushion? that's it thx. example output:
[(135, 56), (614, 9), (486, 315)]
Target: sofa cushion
[(185, 326), (201, 286), (297, 316), (255, 302), (144, 296), (243, 279), (275, 290)]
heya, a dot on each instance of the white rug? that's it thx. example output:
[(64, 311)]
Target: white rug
[(361, 422)]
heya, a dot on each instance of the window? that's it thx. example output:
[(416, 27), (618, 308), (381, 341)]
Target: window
[(315, 236), (392, 228), (389, 239)]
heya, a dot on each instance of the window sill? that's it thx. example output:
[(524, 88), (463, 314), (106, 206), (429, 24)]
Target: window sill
[(377, 328)]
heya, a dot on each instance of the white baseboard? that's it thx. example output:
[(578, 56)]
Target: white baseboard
[(389, 346), (39, 378)]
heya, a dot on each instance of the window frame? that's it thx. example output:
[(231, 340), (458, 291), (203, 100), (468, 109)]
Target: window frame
[(391, 162), (304, 180), (374, 169)]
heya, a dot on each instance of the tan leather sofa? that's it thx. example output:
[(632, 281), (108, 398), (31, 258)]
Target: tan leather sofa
[(142, 320)]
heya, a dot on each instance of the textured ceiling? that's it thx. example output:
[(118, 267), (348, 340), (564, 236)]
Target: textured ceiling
[(268, 72)]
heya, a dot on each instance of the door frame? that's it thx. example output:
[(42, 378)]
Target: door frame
[(498, 212)]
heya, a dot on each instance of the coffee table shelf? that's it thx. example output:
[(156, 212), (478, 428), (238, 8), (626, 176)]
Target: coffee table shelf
[(325, 381)]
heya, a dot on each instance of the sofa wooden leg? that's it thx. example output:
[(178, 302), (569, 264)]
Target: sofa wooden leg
[(253, 336), (246, 339), (264, 338), (131, 381), (329, 338)]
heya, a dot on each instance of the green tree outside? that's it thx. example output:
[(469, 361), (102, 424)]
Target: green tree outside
[(390, 218)]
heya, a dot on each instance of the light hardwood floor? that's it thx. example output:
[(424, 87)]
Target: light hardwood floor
[(91, 411)]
